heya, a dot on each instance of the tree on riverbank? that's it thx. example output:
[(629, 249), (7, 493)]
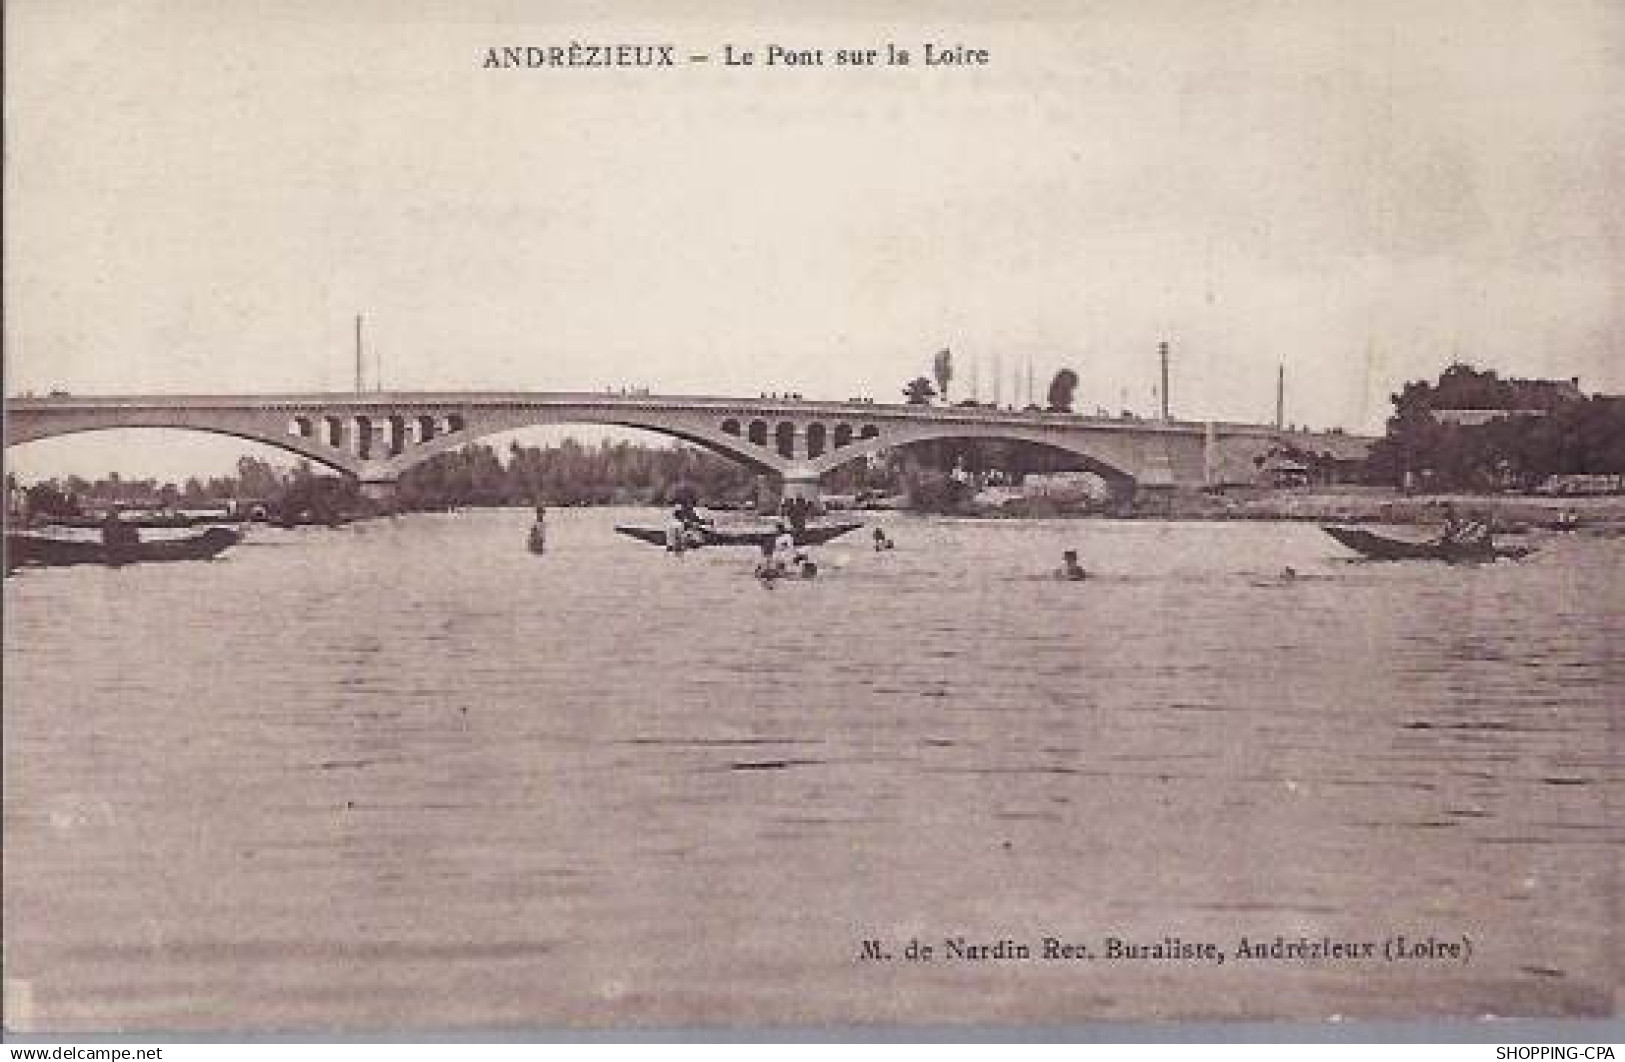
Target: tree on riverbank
[(919, 391), (1475, 431), (1061, 390)]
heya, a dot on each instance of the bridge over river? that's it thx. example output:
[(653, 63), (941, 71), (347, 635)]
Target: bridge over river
[(376, 436)]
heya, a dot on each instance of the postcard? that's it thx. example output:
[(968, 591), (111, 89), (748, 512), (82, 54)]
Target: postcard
[(542, 516)]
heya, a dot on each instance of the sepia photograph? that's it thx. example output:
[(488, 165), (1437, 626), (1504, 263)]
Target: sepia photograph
[(532, 518)]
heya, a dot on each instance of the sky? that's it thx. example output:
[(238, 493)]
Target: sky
[(201, 196)]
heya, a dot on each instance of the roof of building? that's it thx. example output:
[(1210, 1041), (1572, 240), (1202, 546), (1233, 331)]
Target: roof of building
[(1340, 447)]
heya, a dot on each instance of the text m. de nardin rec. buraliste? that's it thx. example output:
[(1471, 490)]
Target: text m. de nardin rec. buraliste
[(1394, 948)]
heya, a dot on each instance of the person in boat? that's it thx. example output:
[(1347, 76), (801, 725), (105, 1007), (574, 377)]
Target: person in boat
[(1453, 526), (687, 528), (1070, 569), (881, 541), (1471, 534), (1475, 531), (538, 531), (686, 514)]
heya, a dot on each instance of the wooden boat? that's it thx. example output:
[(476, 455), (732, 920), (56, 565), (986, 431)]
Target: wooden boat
[(811, 535), (39, 551), (154, 520), (1381, 547)]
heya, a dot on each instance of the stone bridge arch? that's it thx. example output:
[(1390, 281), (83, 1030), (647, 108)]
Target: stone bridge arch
[(265, 434), (1114, 459)]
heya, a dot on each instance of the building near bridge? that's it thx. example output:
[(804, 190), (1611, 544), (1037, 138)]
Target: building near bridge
[(1513, 398)]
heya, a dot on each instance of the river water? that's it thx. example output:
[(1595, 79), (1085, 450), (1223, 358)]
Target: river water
[(406, 775)]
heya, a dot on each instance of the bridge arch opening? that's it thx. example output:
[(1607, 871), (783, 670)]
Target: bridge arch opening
[(175, 467), (758, 432), (955, 465), (784, 438), (730, 426), (816, 436), (843, 435), (575, 463)]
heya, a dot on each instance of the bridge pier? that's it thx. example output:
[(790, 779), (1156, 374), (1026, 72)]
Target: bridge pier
[(800, 484), (381, 491)]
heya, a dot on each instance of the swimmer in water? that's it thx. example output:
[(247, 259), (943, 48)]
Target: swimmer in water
[(1071, 570)]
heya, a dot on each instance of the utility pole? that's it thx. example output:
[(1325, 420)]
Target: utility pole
[(357, 353), (1162, 349), (998, 372)]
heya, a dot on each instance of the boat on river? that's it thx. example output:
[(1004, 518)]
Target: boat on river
[(1373, 546), (740, 535), (42, 551), (167, 521)]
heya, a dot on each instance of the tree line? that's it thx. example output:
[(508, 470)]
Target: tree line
[(1529, 431), (571, 473)]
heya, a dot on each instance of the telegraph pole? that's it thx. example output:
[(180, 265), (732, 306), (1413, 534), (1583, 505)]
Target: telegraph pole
[(1162, 349), (1280, 396), (357, 353)]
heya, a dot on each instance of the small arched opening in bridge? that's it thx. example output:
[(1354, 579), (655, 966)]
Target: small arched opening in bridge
[(424, 430), (395, 438), (758, 432), (333, 431), (301, 427), (731, 426), (816, 434), (362, 435), (784, 439), (843, 435)]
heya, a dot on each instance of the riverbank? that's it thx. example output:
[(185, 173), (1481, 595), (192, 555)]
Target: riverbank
[(1346, 505)]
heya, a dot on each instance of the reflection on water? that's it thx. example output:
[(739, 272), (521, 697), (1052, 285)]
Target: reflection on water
[(408, 774)]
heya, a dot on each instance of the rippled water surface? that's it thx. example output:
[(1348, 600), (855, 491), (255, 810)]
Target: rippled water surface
[(405, 774)]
